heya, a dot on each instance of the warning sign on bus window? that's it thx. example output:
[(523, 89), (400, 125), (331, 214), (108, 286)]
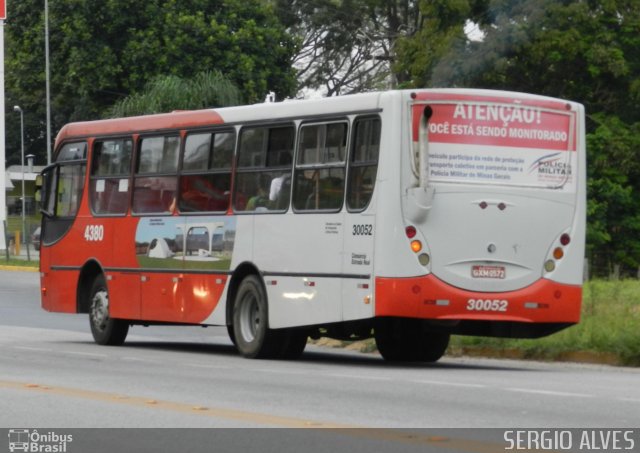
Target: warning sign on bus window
[(498, 143)]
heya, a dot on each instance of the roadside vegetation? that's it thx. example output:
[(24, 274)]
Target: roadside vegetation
[(13, 262), (609, 331)]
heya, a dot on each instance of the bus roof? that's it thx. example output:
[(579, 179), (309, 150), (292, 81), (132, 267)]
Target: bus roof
[(223, 115), (338, 105)]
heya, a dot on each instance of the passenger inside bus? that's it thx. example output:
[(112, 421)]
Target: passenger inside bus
[(283, 181), (204, 193), (261, 199)]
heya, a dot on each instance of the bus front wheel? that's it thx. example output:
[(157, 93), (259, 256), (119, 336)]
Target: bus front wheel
[(105, 330), (253, 337), (409, 340)]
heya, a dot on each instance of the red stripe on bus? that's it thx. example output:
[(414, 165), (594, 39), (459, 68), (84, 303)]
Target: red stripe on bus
[(137, 124)]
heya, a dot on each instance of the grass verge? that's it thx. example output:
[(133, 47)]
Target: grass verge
[(609, 328), (12, 262)]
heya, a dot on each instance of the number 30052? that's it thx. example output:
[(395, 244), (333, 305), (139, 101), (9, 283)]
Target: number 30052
[(487, 305)]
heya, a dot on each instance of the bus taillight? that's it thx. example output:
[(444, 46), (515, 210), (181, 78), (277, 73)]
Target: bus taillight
[(565, 239), (558, 253), (411, 232)]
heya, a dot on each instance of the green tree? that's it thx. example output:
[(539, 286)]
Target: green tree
[(167, 93), (348, 46), (441, 33), (104, 51)]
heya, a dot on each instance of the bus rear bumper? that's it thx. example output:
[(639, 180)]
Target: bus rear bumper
[(427, 297)]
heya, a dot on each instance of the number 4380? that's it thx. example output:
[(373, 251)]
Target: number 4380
[(94, 233)]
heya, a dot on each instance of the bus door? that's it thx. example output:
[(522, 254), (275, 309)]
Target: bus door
[(63, 184)]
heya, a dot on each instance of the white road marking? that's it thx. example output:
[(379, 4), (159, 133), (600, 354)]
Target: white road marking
[(451, 384), (87, 354), (27, 348), (550, 392), (358, 376)]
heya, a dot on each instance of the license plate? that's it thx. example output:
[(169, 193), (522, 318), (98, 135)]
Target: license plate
[(488, 272)]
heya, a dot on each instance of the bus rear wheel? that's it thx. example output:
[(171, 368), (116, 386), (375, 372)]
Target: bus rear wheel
[(294, 344), (105, 330), (409, 340), (253, 337)]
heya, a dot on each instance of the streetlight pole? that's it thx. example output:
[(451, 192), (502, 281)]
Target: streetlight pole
[(17, 108), (47, 78)]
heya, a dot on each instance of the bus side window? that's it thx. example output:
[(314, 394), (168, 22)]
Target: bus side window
[(110, 175), (363, 163), (320, 167), (205, 182), (154, 190), (263, 179)]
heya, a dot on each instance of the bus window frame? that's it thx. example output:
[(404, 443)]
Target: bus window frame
[(102, 139), (238, 170), (317, 167), (136, 175), (351, 165), (230, 170)]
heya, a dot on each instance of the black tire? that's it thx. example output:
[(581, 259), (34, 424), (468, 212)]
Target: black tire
[(254, 338), (409, 340), (105, 330), (232, 335), (294, 344)]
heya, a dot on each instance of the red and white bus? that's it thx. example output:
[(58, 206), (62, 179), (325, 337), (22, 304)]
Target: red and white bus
[(408, 216)]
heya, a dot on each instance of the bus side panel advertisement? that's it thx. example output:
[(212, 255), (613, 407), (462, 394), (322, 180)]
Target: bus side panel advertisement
[(197, 243)]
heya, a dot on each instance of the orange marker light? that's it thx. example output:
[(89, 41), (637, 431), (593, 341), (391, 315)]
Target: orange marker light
[(558, 253), (416, 246)]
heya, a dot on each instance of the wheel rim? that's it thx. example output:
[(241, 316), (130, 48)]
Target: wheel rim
[(100, 309), (249, 318)]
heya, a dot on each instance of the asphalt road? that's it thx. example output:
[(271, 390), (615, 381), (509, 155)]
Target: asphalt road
[(52, 374)]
